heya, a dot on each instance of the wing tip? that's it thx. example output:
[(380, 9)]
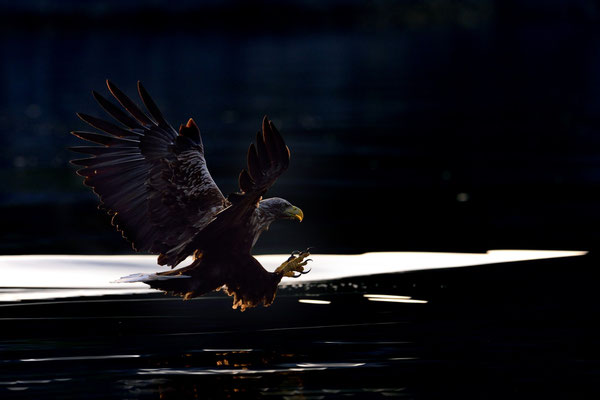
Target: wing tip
[(191, 124), (142, 90), (111, 86), (114, 90), (191, 131)]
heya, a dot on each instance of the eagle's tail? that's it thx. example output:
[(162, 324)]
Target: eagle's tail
[(243, 278), (147, 278)]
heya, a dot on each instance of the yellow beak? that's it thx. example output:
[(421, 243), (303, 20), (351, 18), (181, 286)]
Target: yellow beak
[(294, 213)]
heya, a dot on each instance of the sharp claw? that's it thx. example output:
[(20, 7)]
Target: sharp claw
[(295, 264)]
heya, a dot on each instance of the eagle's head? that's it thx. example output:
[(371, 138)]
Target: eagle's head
[(277, 208)]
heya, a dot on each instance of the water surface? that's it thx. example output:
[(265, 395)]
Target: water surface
[(516, 329)]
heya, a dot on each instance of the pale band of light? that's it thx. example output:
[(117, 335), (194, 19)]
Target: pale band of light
[(398, 300), (330, 365), (311, 301), (77, 358), (386, 296), (63, 276)]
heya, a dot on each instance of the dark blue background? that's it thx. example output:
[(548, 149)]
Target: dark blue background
[(446, 125)]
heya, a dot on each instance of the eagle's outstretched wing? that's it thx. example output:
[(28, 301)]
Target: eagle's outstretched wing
[(152, 179), (267, 159)]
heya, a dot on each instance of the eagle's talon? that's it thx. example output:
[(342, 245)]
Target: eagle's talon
[(294, 264)]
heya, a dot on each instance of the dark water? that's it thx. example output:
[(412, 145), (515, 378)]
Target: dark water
[(517, 330)]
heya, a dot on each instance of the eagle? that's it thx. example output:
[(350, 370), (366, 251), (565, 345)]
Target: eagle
[(154, 182)]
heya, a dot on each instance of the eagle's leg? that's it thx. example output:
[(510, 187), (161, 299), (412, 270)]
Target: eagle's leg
[(295, 263)]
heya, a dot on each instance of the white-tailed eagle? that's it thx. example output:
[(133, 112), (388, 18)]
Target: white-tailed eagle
[(154, 182)]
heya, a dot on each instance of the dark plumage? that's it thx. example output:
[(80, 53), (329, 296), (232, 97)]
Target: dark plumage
[(154, 182)]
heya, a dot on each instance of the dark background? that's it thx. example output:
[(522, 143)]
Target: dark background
[(413, 125)]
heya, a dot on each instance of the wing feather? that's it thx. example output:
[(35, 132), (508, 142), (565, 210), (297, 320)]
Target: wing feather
[(107, 140), (152, 107), (261, 151), (152, 179), (95, 150), (107, 127), (267, 160), (116, 112), (128, 104)]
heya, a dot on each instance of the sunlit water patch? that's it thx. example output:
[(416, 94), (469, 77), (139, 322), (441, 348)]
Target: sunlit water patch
[(60, 276)]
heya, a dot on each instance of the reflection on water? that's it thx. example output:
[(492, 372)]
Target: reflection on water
[(322, 339), (386, 296), (393, 299), (242, 371), (278, 366), (257, 372), (81, 358), (49, 276), (313, 301)]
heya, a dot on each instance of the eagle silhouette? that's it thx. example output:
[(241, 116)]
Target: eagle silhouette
[(154, 182)]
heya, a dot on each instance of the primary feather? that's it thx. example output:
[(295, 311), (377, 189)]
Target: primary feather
[(150, 178)]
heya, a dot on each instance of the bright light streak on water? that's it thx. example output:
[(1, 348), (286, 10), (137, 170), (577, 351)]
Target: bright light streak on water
[(228, 350), (398, 300), (201, 371), (336, 266), (386, 296), (224, 371), (393, 299), (81, 358), (330, 365), (311, 301), (45, 294), (63, 276)]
